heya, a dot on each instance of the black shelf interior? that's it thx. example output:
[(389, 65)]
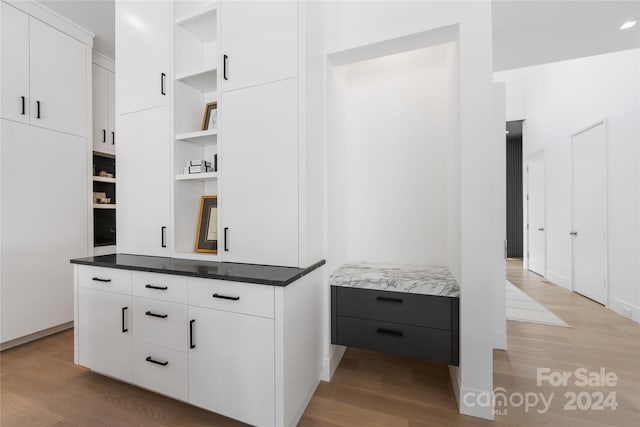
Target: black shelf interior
[(104, 220)]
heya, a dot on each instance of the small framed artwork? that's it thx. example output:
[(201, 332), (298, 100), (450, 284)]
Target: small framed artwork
[(210, 118), (207, 235)]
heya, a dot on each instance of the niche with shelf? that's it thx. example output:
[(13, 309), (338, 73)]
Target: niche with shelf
[(104, 214)]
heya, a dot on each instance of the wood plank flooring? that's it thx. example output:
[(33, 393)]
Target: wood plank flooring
[(40, 385)]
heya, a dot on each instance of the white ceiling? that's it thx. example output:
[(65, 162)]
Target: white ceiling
[(97, 16), (524, 32)]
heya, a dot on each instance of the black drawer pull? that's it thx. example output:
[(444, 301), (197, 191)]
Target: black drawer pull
[(150, 286), (97, 279), (162, 77), (162, 316), (225, 297), (104, 136), (149, 359), (124, 328), (113, 138), (389, 299), (23, 110), (391, 332), (225, 59), (37, 109), (191, 344)]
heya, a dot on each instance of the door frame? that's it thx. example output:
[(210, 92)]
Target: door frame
[(605, 123), (529, 157)]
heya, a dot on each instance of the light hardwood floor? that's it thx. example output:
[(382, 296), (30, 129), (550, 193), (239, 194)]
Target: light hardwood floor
[(40, 386)]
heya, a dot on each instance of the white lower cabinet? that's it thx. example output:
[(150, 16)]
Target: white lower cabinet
[(160, 369), (104, 332), (231, 365)]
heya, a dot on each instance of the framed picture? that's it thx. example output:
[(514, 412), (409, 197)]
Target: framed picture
[(207, 235), (210, 118)]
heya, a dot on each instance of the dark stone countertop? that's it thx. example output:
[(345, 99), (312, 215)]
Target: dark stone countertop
[(248, 273)]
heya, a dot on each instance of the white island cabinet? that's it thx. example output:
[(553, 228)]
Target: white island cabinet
[(248, 351)]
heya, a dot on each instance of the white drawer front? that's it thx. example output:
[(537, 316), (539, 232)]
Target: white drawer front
[(236, 297), (105, 279), (164, 287), (160, 369), (160, 323)]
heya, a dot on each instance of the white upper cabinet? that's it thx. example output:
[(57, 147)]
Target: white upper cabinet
[(58, 80), (103, 110), (111, 110), (260, 172), (144, 198), (14, 51), (259, 42), (143, 54)]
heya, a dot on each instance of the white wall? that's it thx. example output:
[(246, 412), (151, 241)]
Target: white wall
[(353, 25), (559, 99)]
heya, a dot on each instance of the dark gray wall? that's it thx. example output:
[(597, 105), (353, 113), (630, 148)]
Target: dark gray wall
[(514, 189)]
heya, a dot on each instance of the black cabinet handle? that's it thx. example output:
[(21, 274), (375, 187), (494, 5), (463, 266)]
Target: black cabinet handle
[(104, 136), (162, 316), (389, 299), (23, 106), (150, 359), (163, 232), (37, 109), (392, 332), (113, 138), (225, 58), (162, 78), (191, 344), (97, 279), (225, 297), (124, 328), (150, 286), (226, 246)]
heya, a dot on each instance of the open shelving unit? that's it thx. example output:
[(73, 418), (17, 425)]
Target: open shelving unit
[(196, 85), (104, 214)]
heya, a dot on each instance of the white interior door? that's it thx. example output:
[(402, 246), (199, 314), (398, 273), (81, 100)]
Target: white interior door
[(535, 205), (589, 212)]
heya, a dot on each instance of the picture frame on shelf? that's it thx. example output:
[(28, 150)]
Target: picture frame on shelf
[(210, 117), (207, 233)]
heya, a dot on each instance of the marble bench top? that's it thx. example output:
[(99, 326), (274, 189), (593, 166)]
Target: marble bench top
[(397, 278)]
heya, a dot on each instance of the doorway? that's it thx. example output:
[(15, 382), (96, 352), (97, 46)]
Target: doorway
[(514, 189), (536, 214), (589, 212)]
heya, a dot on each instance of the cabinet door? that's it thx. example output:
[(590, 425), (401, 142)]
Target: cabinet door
[(58, 79), (259, 41), (144, 182), (111, 111), (104, 334), (100, 114), (14, 57), (143, 43), (259, 166), (231, 365)]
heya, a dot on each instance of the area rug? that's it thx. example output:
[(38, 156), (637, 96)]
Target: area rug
[(522, 308)]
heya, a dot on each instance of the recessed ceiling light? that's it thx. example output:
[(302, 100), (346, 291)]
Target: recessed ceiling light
[(628, 24)]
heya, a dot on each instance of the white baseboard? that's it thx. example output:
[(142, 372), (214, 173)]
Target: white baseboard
[(454, 372), (330, 364), (559, 280), (35, 336), (468, 406), (621, 307)]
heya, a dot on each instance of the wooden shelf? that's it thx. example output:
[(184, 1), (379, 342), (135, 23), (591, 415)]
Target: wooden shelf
[(202, 24), (202, 137), (194, 176), (104, 206), (104, 179), (204, 79)]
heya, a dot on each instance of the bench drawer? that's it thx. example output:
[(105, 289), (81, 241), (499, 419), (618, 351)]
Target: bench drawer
[(105, 279), (398, 307), (403, 340), (161, 370)]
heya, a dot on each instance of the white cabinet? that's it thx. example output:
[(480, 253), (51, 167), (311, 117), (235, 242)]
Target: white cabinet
[(260, 171), (103, 110), (232, 365), (44, 74), (143, 44), (104, 336), (143, 164), (259, 42), (14, 57)]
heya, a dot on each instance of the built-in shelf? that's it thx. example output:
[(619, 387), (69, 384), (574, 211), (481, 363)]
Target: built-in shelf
[(202, 137), (104, 206), (104, 179), (204, 79), (201, 24), (201, 176)]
